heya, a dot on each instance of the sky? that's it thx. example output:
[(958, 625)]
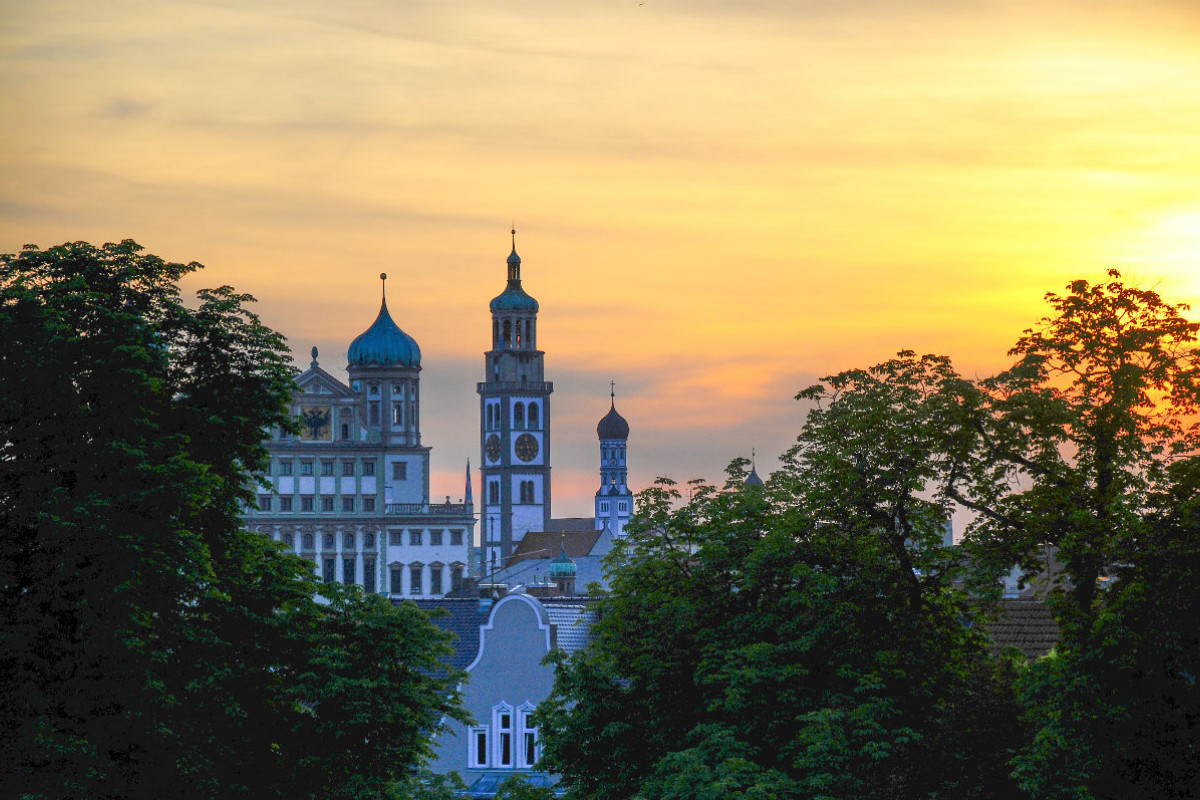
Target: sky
[(716, 203)]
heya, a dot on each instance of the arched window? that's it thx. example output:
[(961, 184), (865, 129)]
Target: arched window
[(369, 541), (328, 541), (288, 540), (518, 333), (533, 415), (307, 541), (519, 415), (507, 331), (347, 541), (456, 577), (495, 333)]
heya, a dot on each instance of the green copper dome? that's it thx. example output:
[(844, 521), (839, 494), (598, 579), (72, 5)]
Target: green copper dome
[(562, 566), (384, 345), (514, 298)]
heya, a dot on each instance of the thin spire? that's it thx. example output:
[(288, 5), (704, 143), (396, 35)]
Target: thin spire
[(383, 281), (469, 499), (612, 392)]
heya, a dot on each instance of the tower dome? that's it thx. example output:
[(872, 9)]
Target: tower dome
[(562, 566), (613, 426), (514, 298), (384, 344)]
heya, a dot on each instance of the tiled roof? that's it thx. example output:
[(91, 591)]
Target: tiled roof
[(1026, 625), (462, 618), (572, 620), (547, 544)]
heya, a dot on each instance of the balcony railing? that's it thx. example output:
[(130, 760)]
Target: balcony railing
[(516, 387), (427, 509)]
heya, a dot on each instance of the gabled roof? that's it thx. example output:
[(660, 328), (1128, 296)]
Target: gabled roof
[(1026, 625), (315, 376), (546, 544)]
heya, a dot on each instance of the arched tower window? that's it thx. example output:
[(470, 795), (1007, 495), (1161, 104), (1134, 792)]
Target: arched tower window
[(519, 415), (488, 416), (507, 331), (518, 333), (495, 333), (534, 421)]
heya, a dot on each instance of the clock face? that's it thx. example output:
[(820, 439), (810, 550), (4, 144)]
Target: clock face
[(492, 448), (526, 447)]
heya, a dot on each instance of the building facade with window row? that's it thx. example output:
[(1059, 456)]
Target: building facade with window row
[(350, 490)]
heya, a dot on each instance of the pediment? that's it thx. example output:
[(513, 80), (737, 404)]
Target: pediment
[(316, 381)]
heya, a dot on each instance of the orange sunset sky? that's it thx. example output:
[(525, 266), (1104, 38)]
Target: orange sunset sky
[(716, 202)]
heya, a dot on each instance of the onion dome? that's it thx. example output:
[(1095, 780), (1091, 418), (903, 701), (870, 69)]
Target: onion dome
[(613, 426), (562, 566), (752, 479), (514, 298), (384, 344)]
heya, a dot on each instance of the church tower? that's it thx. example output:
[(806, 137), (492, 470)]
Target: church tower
[(514, 424), (614, 501)]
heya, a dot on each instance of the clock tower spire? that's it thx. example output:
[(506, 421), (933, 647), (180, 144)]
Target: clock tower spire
[(514, 422)]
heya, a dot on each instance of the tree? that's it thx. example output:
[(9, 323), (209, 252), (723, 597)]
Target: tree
[(801, 639), (1067, 445), (150, 642)]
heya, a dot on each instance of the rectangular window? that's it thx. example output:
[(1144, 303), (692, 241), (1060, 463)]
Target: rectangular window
[(435, 537), (306, 468), (456, 578), (306, 504), (368, 583), (397, 576), (285, 504), (327, 570), (505, 732), (368, 504), (327, 504), (528, 740), (414, 578), (285, 467), (400, 470), (327, 468), (414, 537), (369, 469), (264, 502), (478, 746), (348, 571), (435, 580), (347, 469), (456, 538), (396, 537), (347, 504)]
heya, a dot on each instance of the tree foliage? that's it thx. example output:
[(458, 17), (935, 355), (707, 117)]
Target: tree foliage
[(151, 643), (807, 639)]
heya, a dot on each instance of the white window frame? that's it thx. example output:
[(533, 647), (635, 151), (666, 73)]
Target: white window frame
[(523, 731), (473, 747), (501, 730)]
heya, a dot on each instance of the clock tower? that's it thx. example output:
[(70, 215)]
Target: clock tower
[(514, 424)]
